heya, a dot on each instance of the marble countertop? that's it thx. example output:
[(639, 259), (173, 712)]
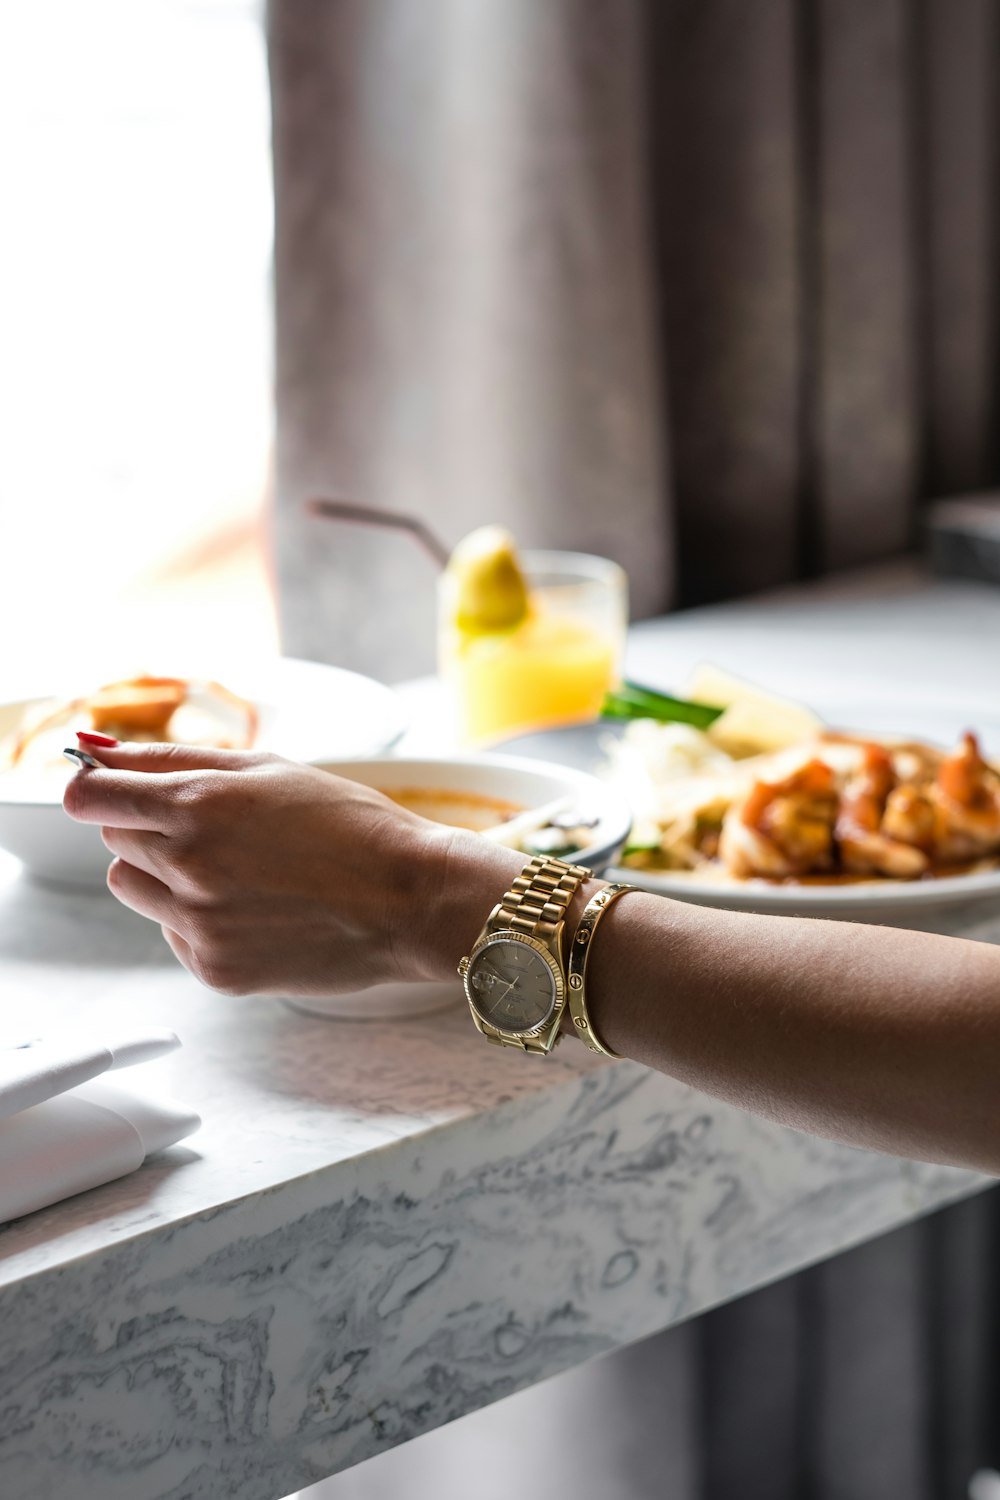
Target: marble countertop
[(380, 1228)]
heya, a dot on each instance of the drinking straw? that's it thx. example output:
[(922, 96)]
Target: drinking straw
[(370, 515)]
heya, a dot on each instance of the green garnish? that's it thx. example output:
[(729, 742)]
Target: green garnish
[(640, 846), (631, 701)]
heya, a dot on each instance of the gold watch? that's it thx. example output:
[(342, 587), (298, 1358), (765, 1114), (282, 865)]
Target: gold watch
[(515, 976)]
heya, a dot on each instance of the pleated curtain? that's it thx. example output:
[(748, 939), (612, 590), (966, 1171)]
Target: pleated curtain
[(710, 287)]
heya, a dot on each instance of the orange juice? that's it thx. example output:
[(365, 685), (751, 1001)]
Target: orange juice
[(549, 670), (554, 666)]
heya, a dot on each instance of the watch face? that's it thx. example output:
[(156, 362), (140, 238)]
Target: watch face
[(511, 986)]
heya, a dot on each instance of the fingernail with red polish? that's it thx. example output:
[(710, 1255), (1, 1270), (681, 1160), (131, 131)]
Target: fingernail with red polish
[(90, 738)]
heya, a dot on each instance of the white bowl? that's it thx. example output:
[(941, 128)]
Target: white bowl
[(306, 710), (507, 779)]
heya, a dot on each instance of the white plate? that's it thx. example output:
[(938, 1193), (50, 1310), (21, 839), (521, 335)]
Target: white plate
[(876, 901), (526, 783), (307, 711), (940, 721)]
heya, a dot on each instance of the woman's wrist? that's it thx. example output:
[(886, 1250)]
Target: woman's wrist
[(582, 894), (468, 876), (462, 879)]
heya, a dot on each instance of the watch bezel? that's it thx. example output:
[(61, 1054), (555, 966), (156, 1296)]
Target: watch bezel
[(508, 935)]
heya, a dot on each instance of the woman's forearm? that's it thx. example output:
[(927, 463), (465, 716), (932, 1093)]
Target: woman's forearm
[(271, 877), (881, 1038)]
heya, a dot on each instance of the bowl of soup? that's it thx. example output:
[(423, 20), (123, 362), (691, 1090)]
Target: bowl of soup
[(482, 792)]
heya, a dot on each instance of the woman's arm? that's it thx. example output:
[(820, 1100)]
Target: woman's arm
[(266, 875), (878, 1037)]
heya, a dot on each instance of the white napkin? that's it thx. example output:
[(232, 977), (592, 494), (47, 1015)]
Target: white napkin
[(61, 1133)]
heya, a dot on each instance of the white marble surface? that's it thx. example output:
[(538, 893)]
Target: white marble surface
[(879, 638), (378, 1230)]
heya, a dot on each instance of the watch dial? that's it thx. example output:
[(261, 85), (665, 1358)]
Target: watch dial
[(511, 986)]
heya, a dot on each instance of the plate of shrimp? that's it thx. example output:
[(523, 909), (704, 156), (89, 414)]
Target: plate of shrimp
[(842, 822), (816, 820)]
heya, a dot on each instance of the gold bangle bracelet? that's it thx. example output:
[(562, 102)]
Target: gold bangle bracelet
[(577, 967)]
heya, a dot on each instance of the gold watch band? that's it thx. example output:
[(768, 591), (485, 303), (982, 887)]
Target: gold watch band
[(537, 901), (577, 972), (536, 905)]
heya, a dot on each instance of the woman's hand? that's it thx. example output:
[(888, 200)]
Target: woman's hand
[(269, 876)]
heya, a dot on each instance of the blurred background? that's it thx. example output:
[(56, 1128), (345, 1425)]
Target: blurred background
[(708, 287), (705, 286), (135, 328)]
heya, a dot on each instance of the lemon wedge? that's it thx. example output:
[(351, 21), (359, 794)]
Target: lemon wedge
[(754, 722), (485, 587)]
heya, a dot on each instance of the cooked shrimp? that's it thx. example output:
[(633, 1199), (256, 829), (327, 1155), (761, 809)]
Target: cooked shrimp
[(782, 828), (865, 848), (916, 764), (911, 817), (968, 804)]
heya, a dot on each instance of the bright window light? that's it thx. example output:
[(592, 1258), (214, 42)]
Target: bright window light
[(135, 324)]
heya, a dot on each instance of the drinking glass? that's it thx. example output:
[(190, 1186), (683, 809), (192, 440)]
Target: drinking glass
[(555, 666)]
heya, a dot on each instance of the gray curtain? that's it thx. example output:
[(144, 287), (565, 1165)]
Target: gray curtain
[(465, 281), (709, 286), (706, 285)]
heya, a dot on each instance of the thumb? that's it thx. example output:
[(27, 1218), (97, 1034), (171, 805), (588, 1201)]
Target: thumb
[(136, 755)]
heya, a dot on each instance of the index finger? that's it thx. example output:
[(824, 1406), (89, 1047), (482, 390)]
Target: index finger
[(126, 799)]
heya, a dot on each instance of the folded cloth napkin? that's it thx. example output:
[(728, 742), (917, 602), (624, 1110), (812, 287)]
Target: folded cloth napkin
[(61, 1132)]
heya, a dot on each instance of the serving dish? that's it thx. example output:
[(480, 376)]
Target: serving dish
[(867, 900), (925, 901), (306, 710), (473, 791)]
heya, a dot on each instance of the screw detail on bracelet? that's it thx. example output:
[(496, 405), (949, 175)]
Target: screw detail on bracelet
[(578, 956)]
